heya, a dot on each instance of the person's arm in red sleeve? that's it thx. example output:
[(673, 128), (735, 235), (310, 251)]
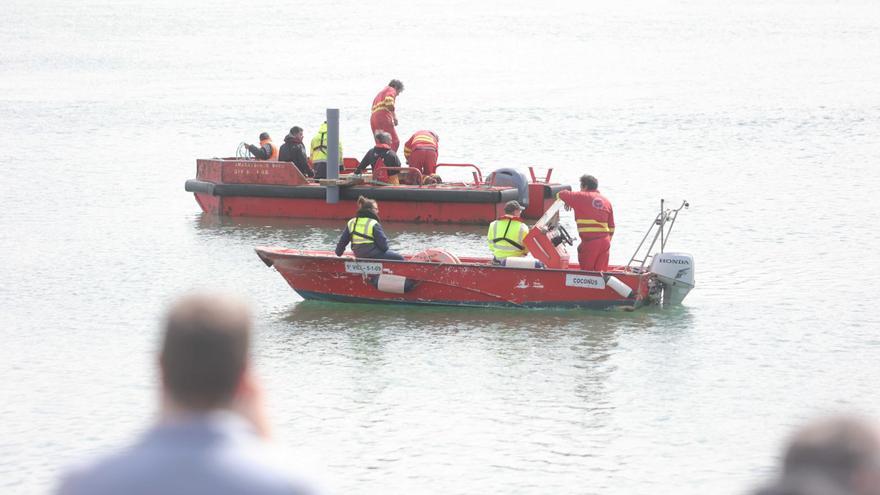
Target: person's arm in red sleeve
[(390, 102), (610, 220), (565, 196)]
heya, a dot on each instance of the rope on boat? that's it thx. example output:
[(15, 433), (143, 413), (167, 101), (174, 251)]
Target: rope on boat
[(242, 152)]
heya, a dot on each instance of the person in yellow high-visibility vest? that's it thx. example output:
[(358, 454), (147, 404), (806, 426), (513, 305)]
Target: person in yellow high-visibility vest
[(507, 235), (318, 157), (365, 234)]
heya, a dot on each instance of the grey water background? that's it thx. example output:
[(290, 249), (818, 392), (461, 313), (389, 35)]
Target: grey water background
[(764, 115)]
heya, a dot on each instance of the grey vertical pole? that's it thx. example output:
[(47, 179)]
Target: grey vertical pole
[(332, 153)]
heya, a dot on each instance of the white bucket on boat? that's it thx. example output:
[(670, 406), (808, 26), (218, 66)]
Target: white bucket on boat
[(618, 286), (394, 284), (519, 262)]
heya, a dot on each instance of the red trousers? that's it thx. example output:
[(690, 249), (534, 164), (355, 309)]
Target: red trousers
[(383, 121), (424, 160), (593, 253)]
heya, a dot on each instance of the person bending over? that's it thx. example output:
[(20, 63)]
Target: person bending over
[(421, 151)]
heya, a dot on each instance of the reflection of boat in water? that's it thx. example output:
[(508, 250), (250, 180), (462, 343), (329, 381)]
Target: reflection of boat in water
[(437, 277), (254, 226), (241, 187), (311, 233)]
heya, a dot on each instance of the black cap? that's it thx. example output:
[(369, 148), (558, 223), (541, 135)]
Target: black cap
[(512, 206), (264, 135)]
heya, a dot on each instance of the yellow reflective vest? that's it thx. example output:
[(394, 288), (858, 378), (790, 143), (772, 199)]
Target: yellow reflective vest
[(319, 146), (361, 229), (506, 236)]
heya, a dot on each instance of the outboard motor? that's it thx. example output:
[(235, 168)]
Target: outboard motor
[(676, 272), (513, 178)]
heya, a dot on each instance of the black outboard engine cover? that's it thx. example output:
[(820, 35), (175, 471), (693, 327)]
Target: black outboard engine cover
[(513, 178)]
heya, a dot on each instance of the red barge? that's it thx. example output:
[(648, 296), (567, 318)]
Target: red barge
[(251, 188), (436, 277)]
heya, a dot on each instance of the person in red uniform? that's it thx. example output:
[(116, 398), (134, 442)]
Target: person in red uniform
[(595, 221), (384, 117), (421, 151)]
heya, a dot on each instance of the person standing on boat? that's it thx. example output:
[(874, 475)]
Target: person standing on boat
[(507, 234), (266, 150), (380, 157), (384, 116), (421, 151), (319, 152), (595, 222), (293, 150), (365, 234)]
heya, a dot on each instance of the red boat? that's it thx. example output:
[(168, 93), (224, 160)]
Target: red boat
[(437, 277), (242, 187)]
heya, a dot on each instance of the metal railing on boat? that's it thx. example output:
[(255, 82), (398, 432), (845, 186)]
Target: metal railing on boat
[(661, 227)]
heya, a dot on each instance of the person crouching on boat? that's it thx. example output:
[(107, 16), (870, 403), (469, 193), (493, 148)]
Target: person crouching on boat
[(507, 235), (365, 234), (421, 151), (380, 157)]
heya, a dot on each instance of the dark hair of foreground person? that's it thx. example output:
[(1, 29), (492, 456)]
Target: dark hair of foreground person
[(831, 456)]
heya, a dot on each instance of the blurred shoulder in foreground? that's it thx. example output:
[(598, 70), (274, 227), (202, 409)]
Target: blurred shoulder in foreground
[(212, 437)]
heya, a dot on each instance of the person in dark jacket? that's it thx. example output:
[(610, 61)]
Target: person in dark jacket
[(380, 157), (293, 150), (365, 234)]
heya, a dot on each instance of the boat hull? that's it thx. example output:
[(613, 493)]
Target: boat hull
[(241, 188), (392, 211), (475, 282)]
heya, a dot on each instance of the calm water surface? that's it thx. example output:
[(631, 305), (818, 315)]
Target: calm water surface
[(765, 117)]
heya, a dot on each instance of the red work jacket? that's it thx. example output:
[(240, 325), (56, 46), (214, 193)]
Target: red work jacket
[(592, 212), (421, 140), (384, 101)]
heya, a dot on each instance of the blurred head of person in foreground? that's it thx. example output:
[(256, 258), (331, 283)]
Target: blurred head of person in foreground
[(212, 434), (834, 455)]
